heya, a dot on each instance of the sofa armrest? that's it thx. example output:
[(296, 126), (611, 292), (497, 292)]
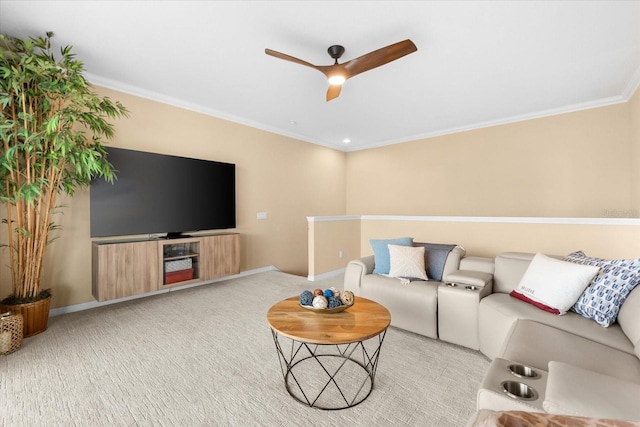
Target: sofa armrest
[(469, 277), (473, 280), (356, 270), (576, 391), (453, 260)]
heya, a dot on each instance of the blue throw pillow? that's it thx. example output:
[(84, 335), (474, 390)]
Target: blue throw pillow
[(381, 252), (435, 257)]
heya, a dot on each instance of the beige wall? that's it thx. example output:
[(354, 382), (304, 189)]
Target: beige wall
[(584, 164), (568, 165), (634, 119), (487, 237), (328, 239), (286, 178), (491, 238)]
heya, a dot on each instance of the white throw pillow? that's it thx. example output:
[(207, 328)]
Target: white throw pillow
[(555, 283), (407, 261)]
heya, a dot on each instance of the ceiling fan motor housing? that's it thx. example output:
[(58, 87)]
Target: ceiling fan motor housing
[(335, 51)]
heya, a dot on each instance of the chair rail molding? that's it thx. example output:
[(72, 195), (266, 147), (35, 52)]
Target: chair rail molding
[(492, 219)]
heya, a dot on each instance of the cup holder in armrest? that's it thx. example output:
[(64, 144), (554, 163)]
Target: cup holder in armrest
[(471, 288), (519, 391), (522, 371), (451, 284)]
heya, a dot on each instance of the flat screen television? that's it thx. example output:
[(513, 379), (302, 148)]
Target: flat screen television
[(156, 193)]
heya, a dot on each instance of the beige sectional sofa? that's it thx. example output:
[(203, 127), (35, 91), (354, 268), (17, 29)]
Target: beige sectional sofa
[(585, 369), (578, 367)]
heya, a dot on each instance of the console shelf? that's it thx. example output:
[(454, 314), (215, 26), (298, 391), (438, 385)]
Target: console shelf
[(131, 267), (180, 260)]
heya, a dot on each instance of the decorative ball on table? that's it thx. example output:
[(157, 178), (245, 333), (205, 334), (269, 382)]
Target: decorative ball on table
[(328, 293), (306, 298), (320, 302), (334, 302), (347, 297), (336, 292), (318, 291)]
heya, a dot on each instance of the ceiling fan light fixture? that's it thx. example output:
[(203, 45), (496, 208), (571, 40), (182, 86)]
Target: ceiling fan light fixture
[(337, 74), (337, 80)]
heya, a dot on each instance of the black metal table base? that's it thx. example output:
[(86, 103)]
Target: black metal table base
[(328, 376)]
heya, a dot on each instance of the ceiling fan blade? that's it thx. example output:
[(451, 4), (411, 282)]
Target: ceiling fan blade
[(288, 58), (378, 57), (333, 92)]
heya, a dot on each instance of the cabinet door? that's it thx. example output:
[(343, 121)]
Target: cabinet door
[(220, 256), (124, 269)]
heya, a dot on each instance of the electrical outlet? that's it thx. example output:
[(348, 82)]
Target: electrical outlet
[(340, 254), (261, 215)]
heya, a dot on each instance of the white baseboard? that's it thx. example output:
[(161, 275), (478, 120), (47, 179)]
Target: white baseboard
[(95, 304), (328, 275)]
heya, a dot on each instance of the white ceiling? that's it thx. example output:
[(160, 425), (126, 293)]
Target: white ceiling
[(477, 64)]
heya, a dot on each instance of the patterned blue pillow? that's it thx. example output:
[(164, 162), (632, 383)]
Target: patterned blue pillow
[(602, 299)]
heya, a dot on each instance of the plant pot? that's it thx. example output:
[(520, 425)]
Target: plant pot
[(34, 314)]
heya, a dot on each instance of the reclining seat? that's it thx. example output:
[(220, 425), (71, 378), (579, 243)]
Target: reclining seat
[(413, 306)]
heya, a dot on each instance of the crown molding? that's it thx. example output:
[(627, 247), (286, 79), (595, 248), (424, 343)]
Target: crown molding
[(628, 92), (513, 119), (96, 80), (632, 86)]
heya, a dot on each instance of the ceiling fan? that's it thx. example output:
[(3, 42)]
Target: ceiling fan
[(337, 74)]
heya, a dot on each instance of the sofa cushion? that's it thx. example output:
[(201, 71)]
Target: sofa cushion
[(509, 269), (554, 283), (629, 318), (602, 299), (407, 262), (381, 252), (536, 344), (413, 306), (498, 312), (576, 391)]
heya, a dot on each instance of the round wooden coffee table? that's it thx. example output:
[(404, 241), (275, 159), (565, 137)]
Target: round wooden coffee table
[(328, 361)]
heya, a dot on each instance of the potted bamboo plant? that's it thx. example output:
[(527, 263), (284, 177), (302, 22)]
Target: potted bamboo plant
[(52, 126)]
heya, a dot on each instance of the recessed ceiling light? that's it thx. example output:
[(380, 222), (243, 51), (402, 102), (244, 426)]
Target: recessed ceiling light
[(293, 123), (346, 140)]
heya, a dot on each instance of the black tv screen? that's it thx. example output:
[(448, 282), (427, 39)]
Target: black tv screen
[(156, 193)]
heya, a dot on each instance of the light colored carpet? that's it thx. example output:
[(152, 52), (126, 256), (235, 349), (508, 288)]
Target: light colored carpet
[(205, 356)]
